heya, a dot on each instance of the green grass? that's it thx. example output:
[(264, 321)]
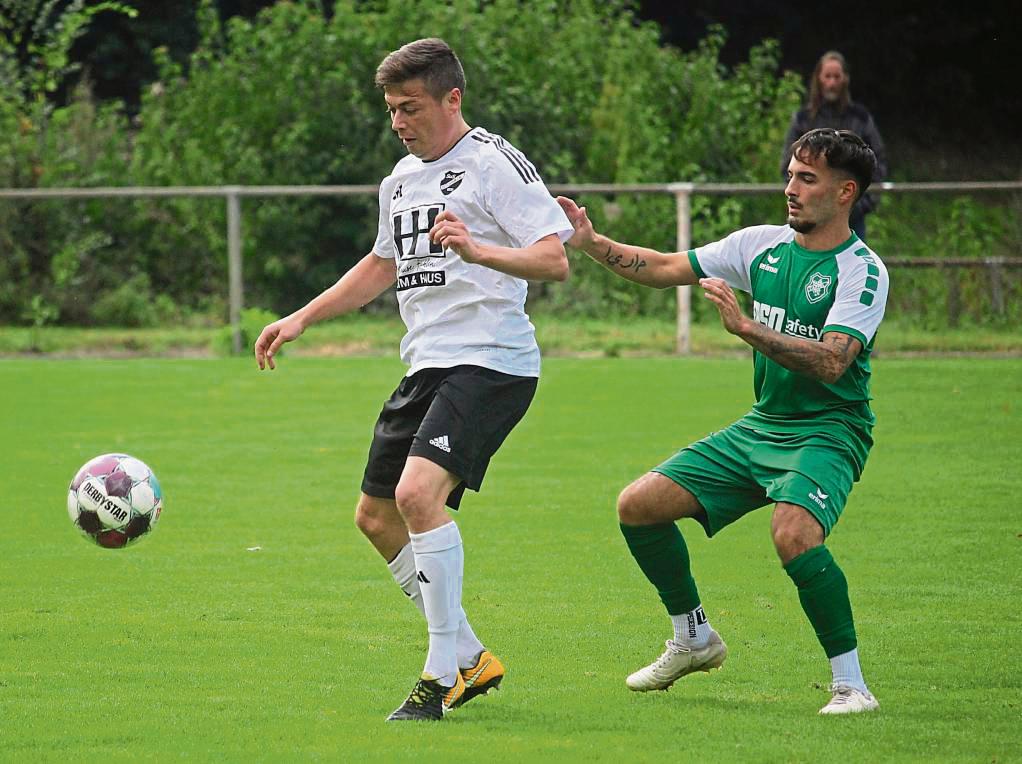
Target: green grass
[(379, 335), (191, 646)]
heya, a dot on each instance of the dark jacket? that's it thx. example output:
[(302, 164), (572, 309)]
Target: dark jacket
[(855, 118)]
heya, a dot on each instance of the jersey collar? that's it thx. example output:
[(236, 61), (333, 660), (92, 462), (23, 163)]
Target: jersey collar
[(825, 253), (451, 149)]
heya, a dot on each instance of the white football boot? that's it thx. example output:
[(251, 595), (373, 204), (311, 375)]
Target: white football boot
[(676, 662), (849, 700)]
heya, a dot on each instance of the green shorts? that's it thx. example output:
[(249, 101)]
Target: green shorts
[(736, 470)]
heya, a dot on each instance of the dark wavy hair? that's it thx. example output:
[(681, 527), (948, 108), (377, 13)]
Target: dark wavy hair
[(430, 59), (844, 151), (816, 94)]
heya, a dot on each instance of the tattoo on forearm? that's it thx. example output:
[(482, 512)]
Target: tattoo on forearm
[(842, 343), (821, 360), (634, 263), (795, 355)]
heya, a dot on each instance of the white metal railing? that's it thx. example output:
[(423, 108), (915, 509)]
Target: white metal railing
[(682, 192)]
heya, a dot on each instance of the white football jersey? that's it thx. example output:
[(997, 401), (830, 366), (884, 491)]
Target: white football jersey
[(458, 312)]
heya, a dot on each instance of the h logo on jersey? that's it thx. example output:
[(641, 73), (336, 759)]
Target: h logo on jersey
[(411, 231), (817, 287), (451, 180)]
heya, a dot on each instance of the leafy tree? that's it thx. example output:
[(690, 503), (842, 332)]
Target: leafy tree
[(288, 97), (47, 247)]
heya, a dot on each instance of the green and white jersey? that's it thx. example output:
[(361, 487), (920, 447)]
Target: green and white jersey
[(804, 294)]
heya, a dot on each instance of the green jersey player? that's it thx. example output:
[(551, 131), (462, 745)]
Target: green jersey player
[(818, 297)]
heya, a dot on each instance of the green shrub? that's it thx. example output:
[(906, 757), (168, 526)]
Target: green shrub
[(43, 145), (129, 304), (288, 98), (935, 299), (252, 322)]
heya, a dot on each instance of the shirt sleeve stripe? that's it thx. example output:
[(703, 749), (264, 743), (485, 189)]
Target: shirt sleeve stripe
[(524, 166), (694, 261), (846, 330)]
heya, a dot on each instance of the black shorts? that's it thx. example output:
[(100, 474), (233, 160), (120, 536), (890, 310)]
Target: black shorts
[(457, 418)]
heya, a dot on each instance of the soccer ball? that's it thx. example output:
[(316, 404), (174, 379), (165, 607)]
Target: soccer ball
[(114, 500)]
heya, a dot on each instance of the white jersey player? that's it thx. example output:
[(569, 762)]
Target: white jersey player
[(465, 223), (456, 311)]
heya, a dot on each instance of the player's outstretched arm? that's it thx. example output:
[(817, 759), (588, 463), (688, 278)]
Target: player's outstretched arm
[(825, 360), (639, 264), (359, 286)]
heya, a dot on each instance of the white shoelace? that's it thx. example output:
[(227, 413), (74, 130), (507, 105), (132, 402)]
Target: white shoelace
[(843, 693)]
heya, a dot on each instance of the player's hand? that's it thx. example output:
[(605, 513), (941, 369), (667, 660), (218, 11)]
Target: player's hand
[(585, 234), (273, 336), (719, 293), (450, 233)]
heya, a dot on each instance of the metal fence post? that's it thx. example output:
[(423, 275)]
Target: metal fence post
[(996, 286), (682, 199), (234, 264)]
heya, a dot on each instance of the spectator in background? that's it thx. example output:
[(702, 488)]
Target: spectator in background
[(831, 105)]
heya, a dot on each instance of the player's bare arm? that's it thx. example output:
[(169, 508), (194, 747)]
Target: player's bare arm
[(359, 286), (639, 264), (825, 360), (542, 261)]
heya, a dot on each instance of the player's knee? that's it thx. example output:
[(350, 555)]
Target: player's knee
[(407, 496), (415, 500), (369, 520), (793, 535), (788, 542), (632, 506)]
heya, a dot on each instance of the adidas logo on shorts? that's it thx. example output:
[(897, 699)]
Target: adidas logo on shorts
[(442, 443)]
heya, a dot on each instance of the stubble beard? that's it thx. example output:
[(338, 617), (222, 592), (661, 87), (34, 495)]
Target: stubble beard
[(801, 226)]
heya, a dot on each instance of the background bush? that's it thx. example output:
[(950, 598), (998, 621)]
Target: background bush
[(287, 98), (251, 325)]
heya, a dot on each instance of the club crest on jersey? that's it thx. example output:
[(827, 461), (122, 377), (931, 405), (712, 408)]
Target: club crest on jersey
[(451, 180), (817, 287)]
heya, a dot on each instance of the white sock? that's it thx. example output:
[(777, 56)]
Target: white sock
[(468, 645), (402, 567), (846, 670), (439, 562), (691, 629)]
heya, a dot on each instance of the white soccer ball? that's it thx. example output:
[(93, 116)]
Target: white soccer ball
[(114, 500)]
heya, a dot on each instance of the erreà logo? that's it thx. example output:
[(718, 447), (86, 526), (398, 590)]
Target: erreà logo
[(817, 287), (819, 497), (451, 180), (770, 264)]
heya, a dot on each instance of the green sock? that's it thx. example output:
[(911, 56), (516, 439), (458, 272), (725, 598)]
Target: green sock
[(662, 555), (823, 592)]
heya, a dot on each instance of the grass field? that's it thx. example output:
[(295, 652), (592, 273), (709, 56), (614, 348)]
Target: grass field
[(379, 335), (192, 645)]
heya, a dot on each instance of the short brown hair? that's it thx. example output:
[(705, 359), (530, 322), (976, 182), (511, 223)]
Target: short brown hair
[(430, 59)]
